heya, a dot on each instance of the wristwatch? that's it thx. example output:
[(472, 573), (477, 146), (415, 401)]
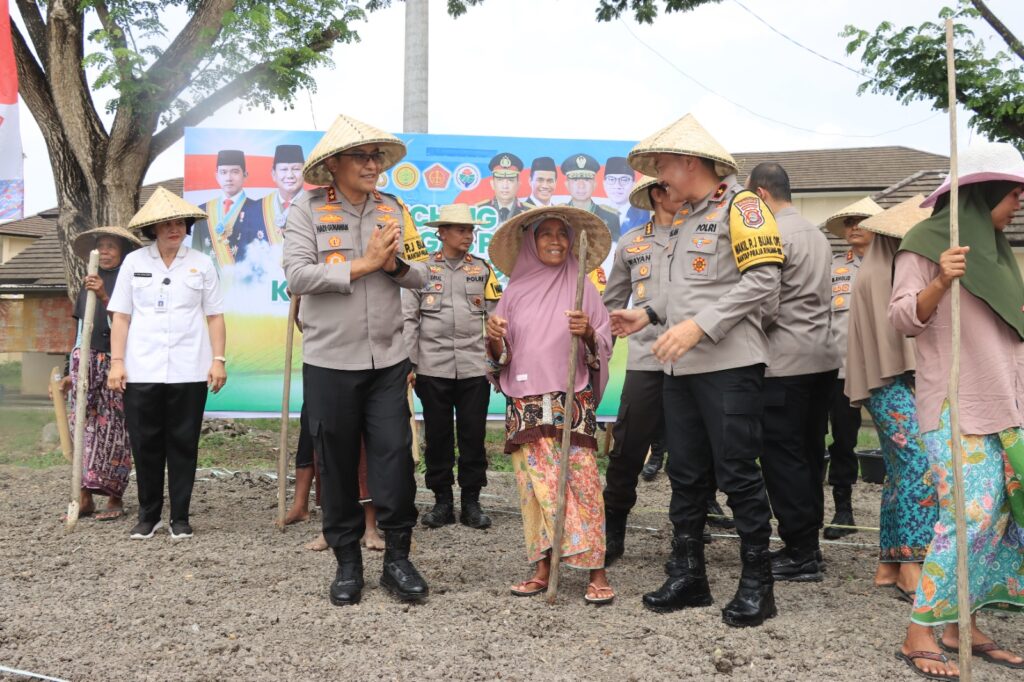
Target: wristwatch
[(651, 315)]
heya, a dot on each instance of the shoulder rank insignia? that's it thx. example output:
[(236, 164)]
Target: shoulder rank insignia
[(332, 195), (648, 229), (720, 192), (849, 255)]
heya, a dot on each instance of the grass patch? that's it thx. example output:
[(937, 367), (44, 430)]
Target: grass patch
[(10, 376), (44, 460), (21, 429)]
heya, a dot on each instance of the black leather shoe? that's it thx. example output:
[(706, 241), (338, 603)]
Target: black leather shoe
[(843, 498), (443, 513), (687, 586), (653, 465), (472, 514), (615, 535), (400, 577), (797, 565), (347, 588), (716, 515), (754, 601)]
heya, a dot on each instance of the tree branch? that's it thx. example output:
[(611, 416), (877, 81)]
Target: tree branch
[(36, 27), (32, 84), (116, 37), (173, 69), (1000, 28)]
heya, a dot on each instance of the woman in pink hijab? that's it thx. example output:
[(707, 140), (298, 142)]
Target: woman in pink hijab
[(528, 347)]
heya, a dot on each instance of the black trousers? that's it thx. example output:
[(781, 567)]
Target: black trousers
[(344, 406), (304, 452), (466, 400), (795, 422), (843, 465), (640, 422), (164, 422), (713, 430)]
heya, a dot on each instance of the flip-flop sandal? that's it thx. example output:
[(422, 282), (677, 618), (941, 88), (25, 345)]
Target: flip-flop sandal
[(903, 595), (982, 651), (81, 515), (929, 656), (542, 585), (110, 514), (602, 595)]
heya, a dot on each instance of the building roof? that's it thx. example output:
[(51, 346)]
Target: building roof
[(33, 226), (854, 169), (39, 268)]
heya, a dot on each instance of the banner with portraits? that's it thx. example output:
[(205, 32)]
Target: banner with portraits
[(246, 180)]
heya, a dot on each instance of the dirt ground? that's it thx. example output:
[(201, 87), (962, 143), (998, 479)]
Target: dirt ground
[(243, 601)]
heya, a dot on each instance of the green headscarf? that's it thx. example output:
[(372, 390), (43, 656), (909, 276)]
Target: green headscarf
[(992, 273)]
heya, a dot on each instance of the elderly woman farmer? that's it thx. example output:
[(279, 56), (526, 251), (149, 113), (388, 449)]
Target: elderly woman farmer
[(107, 455), (528, 346), (990, 397), (167, 348)]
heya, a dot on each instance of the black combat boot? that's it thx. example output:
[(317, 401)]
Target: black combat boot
[(347, 587), (472, 515), (671, 564), (798, 564), (654, 462), (687, 585), (755, 599), (716, 515), (615, 535), (842, 495), (443, 512), (400, 577)]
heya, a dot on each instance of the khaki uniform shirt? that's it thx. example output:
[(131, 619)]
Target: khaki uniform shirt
[(844, 271), (799, 333), (349, 325), (640, 273), (724, 265), (445, 320)]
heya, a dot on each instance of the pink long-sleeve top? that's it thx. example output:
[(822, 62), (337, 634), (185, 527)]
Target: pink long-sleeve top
[(991, 354)]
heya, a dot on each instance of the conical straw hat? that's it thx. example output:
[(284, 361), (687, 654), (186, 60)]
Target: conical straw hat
[(86, 241), (864, 208), (343, 134), (454, 214), (640, 197), (504, 247), (685, 136), (165, 205), (897, 221), (984, 162)]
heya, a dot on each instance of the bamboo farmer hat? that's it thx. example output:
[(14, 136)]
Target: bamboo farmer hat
[(687, 137), (897, 221), (86, 241), (640, 197), (165, 205), (865, 208), (346, 133), (984, 162), (454, 214), (504, 247)]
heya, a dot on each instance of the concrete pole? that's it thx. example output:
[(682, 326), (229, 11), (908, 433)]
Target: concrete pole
[(416, 66)]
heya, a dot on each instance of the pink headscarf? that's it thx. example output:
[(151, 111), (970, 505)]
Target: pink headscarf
[(534, 303)]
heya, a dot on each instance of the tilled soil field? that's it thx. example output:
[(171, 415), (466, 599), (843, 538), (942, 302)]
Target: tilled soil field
[(243, 601)]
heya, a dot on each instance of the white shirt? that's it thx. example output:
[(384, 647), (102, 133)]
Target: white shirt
[(170, 347)]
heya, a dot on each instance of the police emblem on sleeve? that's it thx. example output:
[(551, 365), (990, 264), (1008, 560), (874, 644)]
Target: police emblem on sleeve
[(750, 211)]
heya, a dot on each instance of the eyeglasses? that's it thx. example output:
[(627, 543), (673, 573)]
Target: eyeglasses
[(620, 180), (364, 158)]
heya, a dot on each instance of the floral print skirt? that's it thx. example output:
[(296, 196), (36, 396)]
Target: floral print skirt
[(995, 542), (909, 508)]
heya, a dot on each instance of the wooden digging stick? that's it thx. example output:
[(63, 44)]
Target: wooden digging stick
[(569, 419), (963, 599), (81, 395), (60, 413), (282, 453)]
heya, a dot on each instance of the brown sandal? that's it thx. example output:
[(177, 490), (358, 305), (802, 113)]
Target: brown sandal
[(523, 589), (599, 595), (928, 656), (984, 652)]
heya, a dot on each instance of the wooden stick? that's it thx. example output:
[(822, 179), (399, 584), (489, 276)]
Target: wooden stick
[(82, 395), (60, 413), (963, 599), (415, 431), (569, 418), (608, 437), (282, 453)]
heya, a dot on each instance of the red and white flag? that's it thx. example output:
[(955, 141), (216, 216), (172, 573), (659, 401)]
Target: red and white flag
[(12, 175)]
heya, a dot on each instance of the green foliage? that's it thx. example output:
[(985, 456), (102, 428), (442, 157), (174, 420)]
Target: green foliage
[(910, 63), (645, 11)]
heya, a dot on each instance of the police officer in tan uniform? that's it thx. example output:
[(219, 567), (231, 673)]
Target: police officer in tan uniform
[(843, 465), (802, 369), (639, 273), (724, 265), (348, 251), (445, 325)]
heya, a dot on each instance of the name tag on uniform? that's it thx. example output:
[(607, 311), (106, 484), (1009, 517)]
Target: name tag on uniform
[(142, 274)]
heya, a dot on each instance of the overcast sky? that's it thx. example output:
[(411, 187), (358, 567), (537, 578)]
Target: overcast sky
[(547, 68)]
